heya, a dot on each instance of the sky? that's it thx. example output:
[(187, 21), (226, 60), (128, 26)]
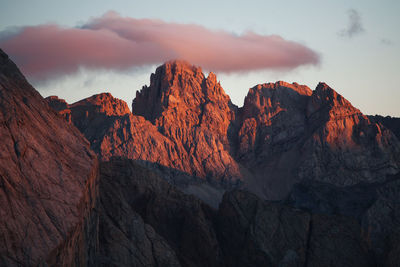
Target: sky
[(75, 49)]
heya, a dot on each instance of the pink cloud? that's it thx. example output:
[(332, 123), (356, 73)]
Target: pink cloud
[(115, 42)]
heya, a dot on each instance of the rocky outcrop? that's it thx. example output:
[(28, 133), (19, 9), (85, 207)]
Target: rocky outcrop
[(254, 232), (258, 233), (346, 148), (289, 133), (113, 131), (56, 103), (272, 124), (139, 219), (111, 232), (185, 222), (61, 106), (45, 165), (382, 222), (194, 112), (392, 123), (375, 206)]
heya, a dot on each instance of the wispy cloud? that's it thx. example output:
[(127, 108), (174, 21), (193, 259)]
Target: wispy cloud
[(120, 43), (386, 41), (354, 26)]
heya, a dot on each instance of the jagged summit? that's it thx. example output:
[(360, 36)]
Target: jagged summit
[(56, 103), (177, 84), (301, 89), (327, 104), (104, 103), (8, 69), (326, 96), (178, 65)]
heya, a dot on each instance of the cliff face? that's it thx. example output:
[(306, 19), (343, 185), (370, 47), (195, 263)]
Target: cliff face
[(45, 165), (348, 148), (290, 133), (389, 122), (194, 112)]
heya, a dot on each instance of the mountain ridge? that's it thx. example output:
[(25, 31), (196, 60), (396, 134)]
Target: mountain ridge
[(282, 134)]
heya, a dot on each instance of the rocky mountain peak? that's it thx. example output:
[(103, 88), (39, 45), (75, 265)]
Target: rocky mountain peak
[(103, 103), (194, 112), (329, 102), (280, 85), (8, 70), (56, 103), (264, 101), (177, 85), (176, 67)]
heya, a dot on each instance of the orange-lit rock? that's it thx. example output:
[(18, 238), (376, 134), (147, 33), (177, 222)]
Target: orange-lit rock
[(284, 133), (195, 113)]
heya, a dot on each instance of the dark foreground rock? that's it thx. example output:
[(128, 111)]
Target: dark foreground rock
[(375, 206), (139, 219), (392, 123), (112, 233), (254, 232)]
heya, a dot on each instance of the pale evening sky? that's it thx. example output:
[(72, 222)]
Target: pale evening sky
[(357, 43)]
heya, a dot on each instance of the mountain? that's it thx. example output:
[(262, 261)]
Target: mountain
[(195, 113), (184, 125), (392, 123), (154, 197), (45, 167), (289, 133)]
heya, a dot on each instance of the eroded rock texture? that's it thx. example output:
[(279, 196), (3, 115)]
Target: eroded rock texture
[(112, 232), (374, 205), (45, 165), (195, 113), (389, 122), (139, 219), (254, 232), (290, 133)]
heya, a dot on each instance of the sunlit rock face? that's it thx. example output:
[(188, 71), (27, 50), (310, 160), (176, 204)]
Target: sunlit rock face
[(194, 112), (289, 133), (347, 147), (184, 124), (45, 167)]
